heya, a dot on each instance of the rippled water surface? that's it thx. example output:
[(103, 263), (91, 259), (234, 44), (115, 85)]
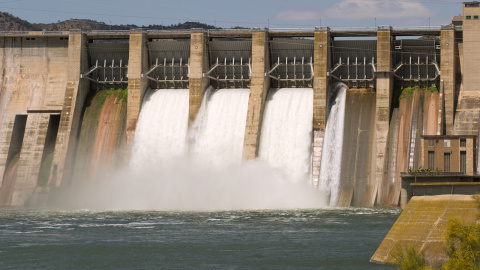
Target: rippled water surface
[(306, 239)]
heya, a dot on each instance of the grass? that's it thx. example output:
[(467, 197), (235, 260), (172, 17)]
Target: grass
[(402, 92)]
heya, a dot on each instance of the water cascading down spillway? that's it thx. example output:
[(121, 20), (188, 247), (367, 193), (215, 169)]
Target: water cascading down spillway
[(332, 147), (219, 129), (177, 167), (347, 170), (216, 137), (161, 135), (286, 136)]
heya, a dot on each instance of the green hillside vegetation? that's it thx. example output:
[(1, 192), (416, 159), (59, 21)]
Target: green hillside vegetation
[(8, 22)]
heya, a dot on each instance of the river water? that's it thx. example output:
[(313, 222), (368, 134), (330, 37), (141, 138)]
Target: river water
[(333, 238)]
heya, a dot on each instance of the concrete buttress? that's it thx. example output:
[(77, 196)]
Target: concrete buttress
[(447, 79), (260, 83), (198, 66), (75, 93), (32, 83), (137, 84), (321, 83), (384, 88)]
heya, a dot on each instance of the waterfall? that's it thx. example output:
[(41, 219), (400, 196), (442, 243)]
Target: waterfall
[(332, 146), (219, 129), (286, 137), (161, 135), (198, 168)]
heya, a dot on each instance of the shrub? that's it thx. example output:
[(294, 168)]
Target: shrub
[(463, 245), (410, 259)]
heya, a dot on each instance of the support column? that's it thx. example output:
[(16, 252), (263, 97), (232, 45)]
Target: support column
[(198, 66), (30, 158), (321, 83), (259, 85), (447, 78), (75, 94), (382, 114), (137, 85)]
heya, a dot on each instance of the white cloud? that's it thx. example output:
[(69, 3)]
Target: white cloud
[(363, 9), (292, 15)]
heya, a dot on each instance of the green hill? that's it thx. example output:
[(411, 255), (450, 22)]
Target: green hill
[(8, 22)]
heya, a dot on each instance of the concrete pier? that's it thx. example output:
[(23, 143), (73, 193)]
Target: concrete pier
[(259, 85), (321, 84), (384, 89), (447, 81), (75, 92), (137, 84), (198, 67)]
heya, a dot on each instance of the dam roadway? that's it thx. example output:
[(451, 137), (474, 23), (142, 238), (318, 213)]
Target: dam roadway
[(61, 66)]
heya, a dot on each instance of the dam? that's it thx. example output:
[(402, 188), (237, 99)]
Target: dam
[(322, 105)]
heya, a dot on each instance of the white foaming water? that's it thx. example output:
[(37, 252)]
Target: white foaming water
[(286, 137), (186, 186), (332, 147), (213, 179), (161, 134), (219, 129)]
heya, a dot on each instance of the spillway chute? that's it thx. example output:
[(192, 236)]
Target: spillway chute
[(330, 168), (286, 134)]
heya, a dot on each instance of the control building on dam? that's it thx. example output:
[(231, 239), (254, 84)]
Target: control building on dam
[(47, 77)]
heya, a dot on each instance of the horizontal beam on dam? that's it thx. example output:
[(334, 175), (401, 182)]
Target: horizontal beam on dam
[(227, 33)]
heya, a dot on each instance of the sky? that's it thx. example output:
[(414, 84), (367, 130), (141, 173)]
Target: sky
[(273, 14)]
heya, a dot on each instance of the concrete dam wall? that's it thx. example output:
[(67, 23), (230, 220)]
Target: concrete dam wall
[(54, 129)]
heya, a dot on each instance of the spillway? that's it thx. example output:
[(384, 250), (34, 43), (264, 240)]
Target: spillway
[(285, 140), (161, 135), (332, 147), (346, 172), (102, 134), (357, 172), (217, 135)]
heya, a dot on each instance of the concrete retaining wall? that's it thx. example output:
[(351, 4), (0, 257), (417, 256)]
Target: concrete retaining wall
[(33, 80), (423, 224)]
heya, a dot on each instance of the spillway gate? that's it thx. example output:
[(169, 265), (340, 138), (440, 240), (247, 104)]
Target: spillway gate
[(169, 64), (230, 63), (417, 62), (108, 62), (291, 63)]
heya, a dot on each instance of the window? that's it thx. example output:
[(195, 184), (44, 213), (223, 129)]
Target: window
[(463, 161), (463, 142), (431, 143), (472, 5), (475, 17), (431, 160), (468, 17), (446, 143), (446, 162)]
